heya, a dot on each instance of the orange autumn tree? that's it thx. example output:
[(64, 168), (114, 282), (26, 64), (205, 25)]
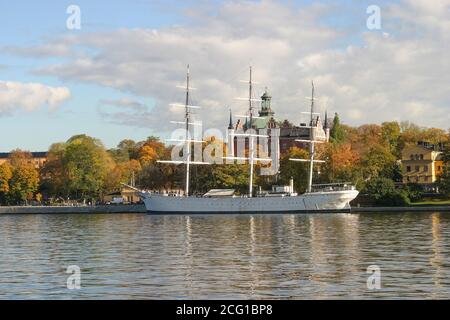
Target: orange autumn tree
[(5, 178), (342, 163), (152, 150), (147, 154), (24, 181), (122, 173)]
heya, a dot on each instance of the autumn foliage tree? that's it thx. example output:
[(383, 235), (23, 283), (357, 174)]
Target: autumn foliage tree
[(5, 178), (147, 154), (444, 180), (343, 163), (23, 184), (19, 179), (82, 168), (77, 168)]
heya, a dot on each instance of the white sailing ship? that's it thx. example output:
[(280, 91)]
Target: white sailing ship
[(317, 198)]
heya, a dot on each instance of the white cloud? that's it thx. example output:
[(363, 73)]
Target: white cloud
[(133, 105), (29, 96), (404, 75)]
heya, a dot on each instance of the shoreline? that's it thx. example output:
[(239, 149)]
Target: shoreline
[(400, 209), (106, 209), (140, 208)]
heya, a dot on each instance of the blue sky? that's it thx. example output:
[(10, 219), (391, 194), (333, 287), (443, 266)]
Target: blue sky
[(339, 34), (25, 23)]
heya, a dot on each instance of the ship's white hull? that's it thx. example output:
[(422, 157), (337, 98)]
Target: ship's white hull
[(308, 202)]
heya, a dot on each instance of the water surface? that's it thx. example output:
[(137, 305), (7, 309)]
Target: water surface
[(138, 256)]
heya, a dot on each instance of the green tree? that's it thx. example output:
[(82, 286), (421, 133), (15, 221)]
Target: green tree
[(77, 169), (126, 150), (444, 179), (296, 170), (383, 192), (337, 133), (229, 176), (390, 132), (157, 176), (53, 178), (415, 191), (86, 165), (378, 162)]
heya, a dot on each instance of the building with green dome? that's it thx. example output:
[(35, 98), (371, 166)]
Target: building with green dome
[(282, 134)]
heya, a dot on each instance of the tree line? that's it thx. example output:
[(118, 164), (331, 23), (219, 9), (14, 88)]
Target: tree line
[(83, 169)]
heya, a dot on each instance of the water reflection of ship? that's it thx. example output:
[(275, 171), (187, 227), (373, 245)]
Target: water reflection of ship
[(437, 259), (334, 244)]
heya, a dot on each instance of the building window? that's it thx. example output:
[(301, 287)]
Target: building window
[(408, 179), (417, 168), (421, 157), (426, 178), (417, 179), (408, 168), (412, 157), (425, 168)]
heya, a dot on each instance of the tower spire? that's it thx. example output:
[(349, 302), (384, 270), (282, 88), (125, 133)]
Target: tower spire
[(230, 125), (266, 105)]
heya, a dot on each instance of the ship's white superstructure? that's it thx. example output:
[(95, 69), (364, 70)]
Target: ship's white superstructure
[(325, 198)]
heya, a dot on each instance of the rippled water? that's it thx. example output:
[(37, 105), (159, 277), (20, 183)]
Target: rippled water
[(225, 257)]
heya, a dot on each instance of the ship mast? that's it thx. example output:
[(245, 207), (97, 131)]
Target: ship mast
[(188, 142), (312, 144), (251, 147), (251, 136), (312, 127)]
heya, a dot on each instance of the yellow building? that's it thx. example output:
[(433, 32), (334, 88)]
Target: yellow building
[(422, 164), (125, 195), (38, 159)]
